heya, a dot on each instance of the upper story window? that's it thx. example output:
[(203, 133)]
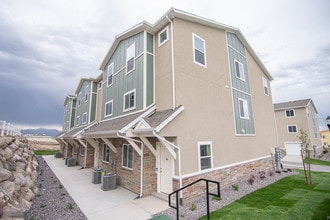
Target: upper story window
[(289, 113), (243, 109), (163, 37), (106, 153), (86, 93), (79, 99), (110, 74), (128, 156), (292, 129), (108, 108), (265, 85), (129, 100), (205, 155), (239, 70), (77, 120), (84, 119), (130, 58), (199, 50)]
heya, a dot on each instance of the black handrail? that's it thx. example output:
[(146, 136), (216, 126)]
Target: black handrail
[(207, 196)]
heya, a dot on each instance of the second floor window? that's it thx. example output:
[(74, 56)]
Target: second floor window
[(163, 36), (239, 70), (292, 128), (108, 108), (289, 113), (86, 93), (265, 85), (129, 100), (77, 120), (243, 109), (79, 99), (110, 74), (199, 50), (84, 119), (130, 58)]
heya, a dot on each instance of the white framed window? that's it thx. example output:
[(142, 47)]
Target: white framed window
[(205, 155), (130, 58), (128, 156), (129, 100), (108, 108), (292, 129), (289, 113), (82, 150), (265, 85), (79, 99), (110, 75), (199, 50), (106, 153), (84, 118), (77, 120), (163, 37), (239, 70), (243, 109), (86, 93)]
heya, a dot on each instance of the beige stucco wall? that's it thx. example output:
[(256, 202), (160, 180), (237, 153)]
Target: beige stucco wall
[(207, 97)]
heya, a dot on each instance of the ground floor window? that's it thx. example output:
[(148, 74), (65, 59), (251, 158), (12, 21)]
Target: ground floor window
[(128, 156), (82, 150), (106, 153), (205, 155)]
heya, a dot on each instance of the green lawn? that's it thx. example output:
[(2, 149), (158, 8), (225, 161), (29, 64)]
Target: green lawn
[(45, 152), (320, 162), (289, 198)]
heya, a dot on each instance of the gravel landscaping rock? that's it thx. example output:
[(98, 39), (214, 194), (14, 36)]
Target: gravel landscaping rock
[(197, 208), (52, 201)]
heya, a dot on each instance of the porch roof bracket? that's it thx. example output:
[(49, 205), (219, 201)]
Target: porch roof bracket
[(82, 143), (110, 144), (135, 146), (169, 146), (92, 142), (149, 145)]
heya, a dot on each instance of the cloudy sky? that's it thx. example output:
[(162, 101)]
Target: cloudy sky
[(46, 46)]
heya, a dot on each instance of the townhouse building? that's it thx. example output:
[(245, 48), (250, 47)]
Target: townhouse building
[(325, 139), (182, 99), (290, 118)]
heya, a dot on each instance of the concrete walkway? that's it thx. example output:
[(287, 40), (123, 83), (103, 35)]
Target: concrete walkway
[(98, 204), (292, 161)]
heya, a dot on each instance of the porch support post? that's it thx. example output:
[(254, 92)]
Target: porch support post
[(95, 145)]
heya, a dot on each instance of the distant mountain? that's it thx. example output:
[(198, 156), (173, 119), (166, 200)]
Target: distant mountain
[(41, 132)]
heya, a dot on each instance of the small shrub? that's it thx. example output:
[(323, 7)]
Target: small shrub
[(235, 187), (41, 171), (42, 206), (193, 207), (217, 198), (38, 195), (63, 194), (60, 186), (40, 185), (69, 206), (251, 180), (262, 175)]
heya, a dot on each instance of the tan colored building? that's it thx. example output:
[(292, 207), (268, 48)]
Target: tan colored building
[(290, 118), (182, 99), (325, 135)]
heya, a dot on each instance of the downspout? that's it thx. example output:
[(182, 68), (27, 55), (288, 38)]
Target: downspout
[(173, 68), (179, 158), (141, 167)]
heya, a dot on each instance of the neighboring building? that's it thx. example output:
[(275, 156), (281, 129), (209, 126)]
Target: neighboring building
[(183, 99), (69, 112), (290, 118), (325, 135)]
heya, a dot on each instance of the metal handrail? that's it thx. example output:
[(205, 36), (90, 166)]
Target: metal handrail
[(207, 196)]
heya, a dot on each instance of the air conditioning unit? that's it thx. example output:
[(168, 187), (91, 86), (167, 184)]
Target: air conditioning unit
[(66, 160), (71, 162), (58, 154), (109, 182), (97, 175)]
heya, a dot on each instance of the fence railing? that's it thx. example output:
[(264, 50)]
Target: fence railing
[(7, 129)]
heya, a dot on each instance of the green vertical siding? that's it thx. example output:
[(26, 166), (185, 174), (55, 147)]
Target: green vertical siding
[(150, 43), (240, 88), (150, 80)]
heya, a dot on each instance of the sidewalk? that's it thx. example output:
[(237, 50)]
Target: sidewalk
[(98, 204), (291, 161)]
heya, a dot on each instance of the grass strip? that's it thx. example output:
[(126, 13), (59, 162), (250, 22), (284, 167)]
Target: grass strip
[(45, 152)]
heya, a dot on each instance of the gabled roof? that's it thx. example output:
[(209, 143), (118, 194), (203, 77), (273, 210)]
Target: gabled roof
[(176, 13), (74, 132), (72, 97), (294, 104), (82, 80)]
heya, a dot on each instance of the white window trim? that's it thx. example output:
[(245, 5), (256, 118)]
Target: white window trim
[(105, 146), (84, 122), (292, 126), (129, 57), (78, 120), (112, 67), (122, 159), (82, 147), (131, 108), (294, 113), (105, 108), (242, 74), (193, 39), (245, 109), (199, 156), (86, 93), (79, 99), (167, 38), (265, 85)]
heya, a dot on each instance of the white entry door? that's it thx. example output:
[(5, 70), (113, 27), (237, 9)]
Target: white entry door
[(165, 169)]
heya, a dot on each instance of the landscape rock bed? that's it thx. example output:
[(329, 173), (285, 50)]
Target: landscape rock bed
[(197, 208), (52, 201)]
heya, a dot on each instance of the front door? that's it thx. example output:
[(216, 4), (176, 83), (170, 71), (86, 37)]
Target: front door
[(165, 169)]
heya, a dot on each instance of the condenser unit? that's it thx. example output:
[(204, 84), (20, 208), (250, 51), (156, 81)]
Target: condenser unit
[(97, 175), (109, 182), (71, 162)]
